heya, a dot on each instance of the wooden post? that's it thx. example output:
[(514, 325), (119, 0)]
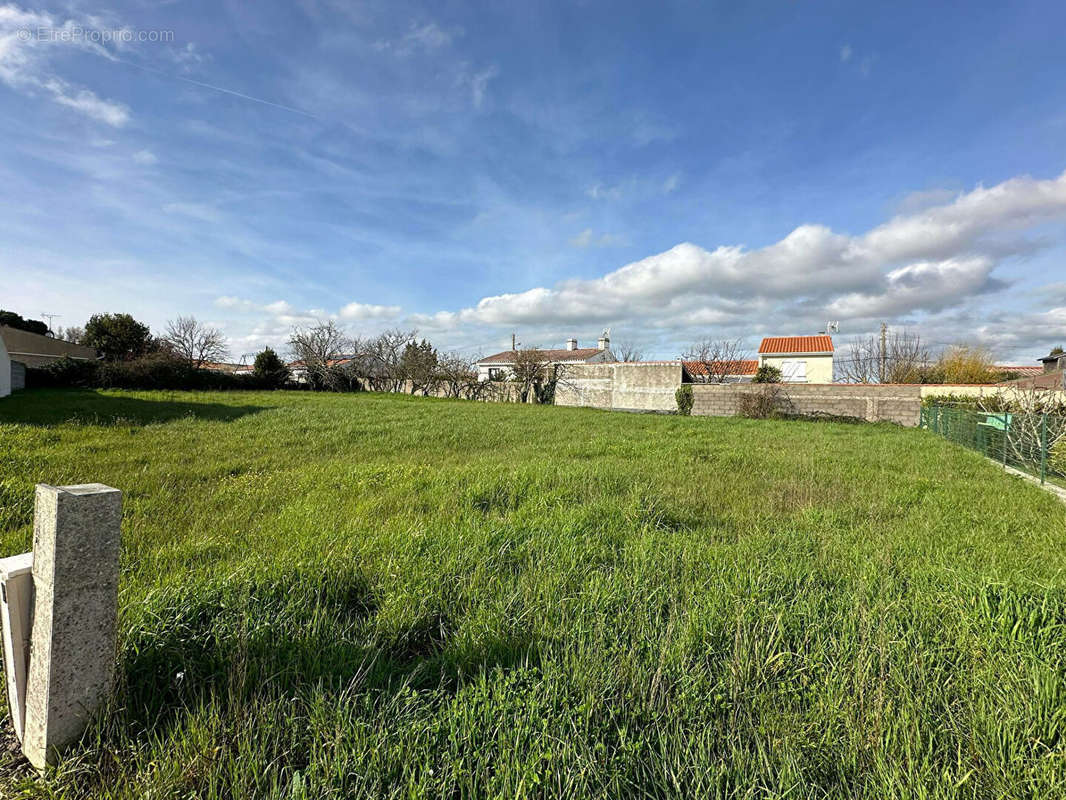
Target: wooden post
[(76, 532)]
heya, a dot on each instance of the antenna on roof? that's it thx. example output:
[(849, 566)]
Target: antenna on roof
[(50, 317), (832, 327)]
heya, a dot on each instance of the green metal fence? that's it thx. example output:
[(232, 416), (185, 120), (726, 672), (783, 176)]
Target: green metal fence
[(1033, 443)]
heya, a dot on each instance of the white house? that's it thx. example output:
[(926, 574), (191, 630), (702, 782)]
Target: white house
[(801, 359), (5, 370), (497, 367)]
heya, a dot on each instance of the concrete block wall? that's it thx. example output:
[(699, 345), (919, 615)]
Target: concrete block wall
[(650, 386), (888, 403)]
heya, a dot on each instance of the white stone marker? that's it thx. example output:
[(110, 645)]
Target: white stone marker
[(76, 532), (16, 608)]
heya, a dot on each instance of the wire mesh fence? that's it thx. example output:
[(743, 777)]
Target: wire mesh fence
[(1032, 442)]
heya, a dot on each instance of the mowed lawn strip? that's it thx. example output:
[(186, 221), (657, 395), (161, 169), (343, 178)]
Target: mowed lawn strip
[(378, 595)]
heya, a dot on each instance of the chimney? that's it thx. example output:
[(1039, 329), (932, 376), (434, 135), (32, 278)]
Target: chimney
[(604, 340), (571, 344)]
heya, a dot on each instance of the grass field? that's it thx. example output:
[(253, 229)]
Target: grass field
[(329, 596)]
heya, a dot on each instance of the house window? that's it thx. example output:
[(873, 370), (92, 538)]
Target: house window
[(495, 373), (794, 371)]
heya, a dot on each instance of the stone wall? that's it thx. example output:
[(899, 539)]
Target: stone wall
[(889, 403), (650, 386)]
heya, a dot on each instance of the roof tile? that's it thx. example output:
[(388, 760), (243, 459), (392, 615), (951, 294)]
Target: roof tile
[(796, 344)]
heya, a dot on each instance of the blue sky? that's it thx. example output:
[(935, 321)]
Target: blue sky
[(673, 171)]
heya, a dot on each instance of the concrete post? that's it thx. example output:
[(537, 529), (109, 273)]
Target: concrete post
[(16, 606), (76, 533)]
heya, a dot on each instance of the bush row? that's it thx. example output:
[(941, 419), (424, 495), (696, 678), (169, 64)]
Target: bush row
[(149, 372)]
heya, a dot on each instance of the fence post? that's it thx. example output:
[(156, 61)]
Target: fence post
[(1006, 436), (76, 532), (1043, 447)]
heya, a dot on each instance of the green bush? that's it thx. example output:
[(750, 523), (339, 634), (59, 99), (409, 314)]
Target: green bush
[(156, 371), (1056, 457), (270, 369), (767, 373), (684, 399), (64, 372)]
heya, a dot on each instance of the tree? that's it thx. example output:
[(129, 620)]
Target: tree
[(74, 333), (118, 337), (964, 364), (625, 351), (380, 360), (269, 368), (716, 360), (418, 364), (458, 376), (530, 371), (903, 359), (907, 359), (319, 351), (767, 373), (194, 342), (13, 320)]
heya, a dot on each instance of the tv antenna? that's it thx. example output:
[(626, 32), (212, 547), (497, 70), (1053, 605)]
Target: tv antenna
[(832, 327), (50, 317)]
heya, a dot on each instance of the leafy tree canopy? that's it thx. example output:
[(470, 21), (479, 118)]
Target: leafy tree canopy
[(118, 337), (13, 320)]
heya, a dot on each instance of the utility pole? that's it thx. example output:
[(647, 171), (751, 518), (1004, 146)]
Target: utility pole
[(881, 361), (513, 341)]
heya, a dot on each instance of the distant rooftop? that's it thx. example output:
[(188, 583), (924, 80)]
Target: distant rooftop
[(773, 345)]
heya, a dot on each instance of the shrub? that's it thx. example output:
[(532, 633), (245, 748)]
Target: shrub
[(684, 399), (767, 373), (62, 372), (1056, 457), (157, 371), (270, 369), (763, 403)]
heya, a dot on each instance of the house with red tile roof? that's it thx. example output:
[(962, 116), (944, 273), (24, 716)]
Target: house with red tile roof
[(497, 367), (801, 359), (741, 371)]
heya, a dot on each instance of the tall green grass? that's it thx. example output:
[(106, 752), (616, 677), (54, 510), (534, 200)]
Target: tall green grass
[(331, 596)]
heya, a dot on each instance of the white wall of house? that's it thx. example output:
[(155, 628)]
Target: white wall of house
[(5, 371), (485, 372), (802, 367)]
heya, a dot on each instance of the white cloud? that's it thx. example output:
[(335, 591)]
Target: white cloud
[(670, 184), (146, 157), (587, 238), (923, 286), (26, 52), (923, 262), (426, 37), (845, 52), (361, 311), (479, 84), (600, 191)]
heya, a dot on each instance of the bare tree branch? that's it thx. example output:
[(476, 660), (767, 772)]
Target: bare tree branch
[(321, 352), (194, 342), (716, 360)]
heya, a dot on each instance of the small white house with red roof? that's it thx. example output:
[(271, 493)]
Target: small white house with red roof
[(497, 367), (801, 359)]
